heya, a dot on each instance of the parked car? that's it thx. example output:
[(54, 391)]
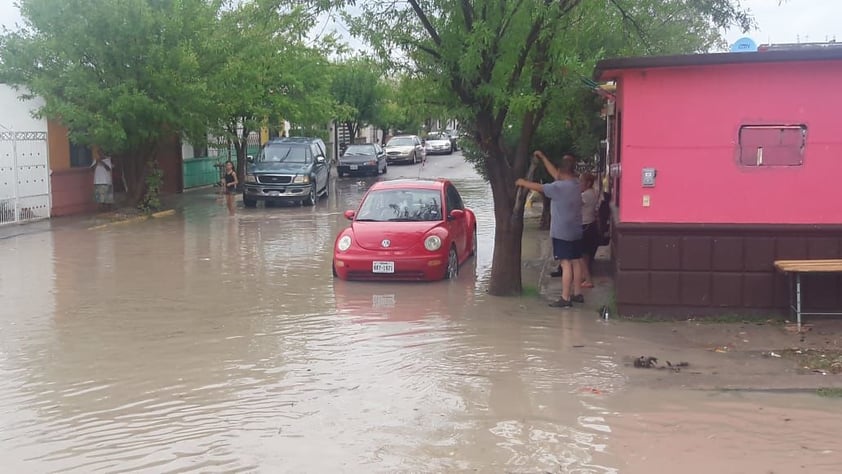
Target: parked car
[(438, 143), (406, 230), (365, 159), (287, 169), (404, 149), (454, 138)]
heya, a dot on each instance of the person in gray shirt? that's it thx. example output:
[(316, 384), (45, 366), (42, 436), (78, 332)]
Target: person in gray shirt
[(565, 225)]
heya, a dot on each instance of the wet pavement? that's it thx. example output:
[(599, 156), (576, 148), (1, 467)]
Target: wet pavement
[(205, 342)]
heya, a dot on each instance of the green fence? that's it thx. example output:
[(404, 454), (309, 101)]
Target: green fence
[(201, 171)]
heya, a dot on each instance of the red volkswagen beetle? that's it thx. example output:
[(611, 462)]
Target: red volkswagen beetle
[(406, 230)]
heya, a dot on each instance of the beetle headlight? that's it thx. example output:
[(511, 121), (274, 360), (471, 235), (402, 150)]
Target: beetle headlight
[(432, 243), (344, 243), (301, 179)]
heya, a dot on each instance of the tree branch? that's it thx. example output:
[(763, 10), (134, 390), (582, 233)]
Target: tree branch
[(468, 13), (641, 33), (431, 30)]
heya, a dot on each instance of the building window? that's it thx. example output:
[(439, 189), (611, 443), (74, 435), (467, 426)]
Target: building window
[(80, 156), (772, 145)]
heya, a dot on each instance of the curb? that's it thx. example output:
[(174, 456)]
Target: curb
[(132, 220)]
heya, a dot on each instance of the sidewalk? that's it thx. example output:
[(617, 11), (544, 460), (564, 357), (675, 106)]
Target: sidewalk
[(731, 353)]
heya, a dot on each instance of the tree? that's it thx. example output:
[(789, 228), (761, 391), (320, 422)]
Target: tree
[(501, 65), (123, 75), (358, 92), (267, 74)]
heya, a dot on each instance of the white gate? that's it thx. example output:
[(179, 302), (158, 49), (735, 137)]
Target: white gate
[(24, 176)]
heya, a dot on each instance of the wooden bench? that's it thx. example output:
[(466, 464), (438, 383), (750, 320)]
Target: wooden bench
[(798, 267)]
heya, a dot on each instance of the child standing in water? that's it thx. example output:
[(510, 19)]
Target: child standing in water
[(230, 185)]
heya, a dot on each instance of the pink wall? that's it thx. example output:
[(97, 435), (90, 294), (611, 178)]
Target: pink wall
[(685, 123)]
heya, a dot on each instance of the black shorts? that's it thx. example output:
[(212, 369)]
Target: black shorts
[(567, 250), (590, 239)]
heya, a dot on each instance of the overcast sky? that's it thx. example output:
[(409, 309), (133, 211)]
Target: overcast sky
[(807, 20)]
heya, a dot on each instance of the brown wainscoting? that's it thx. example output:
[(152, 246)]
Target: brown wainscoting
[(72, 191), (689, 269)]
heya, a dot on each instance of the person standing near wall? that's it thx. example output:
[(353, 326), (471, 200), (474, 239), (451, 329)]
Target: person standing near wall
[(590, 229), (565, 225), (103, 181)]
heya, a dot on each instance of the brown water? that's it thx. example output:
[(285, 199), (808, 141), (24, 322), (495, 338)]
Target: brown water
[(209, 343)]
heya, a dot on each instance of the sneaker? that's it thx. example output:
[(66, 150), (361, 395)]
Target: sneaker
[(562, 303), (577, 299), (556, 274)]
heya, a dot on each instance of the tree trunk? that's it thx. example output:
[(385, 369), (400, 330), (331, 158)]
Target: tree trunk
[(502, 171), (508, 232), (135, 170), (545, 213)]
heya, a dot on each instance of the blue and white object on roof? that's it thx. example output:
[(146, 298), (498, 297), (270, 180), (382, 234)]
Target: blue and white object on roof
[(744, 45)]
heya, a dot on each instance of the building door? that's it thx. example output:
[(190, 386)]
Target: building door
[(24, 176)]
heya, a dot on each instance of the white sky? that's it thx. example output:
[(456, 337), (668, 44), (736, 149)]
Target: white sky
[(807, 20)]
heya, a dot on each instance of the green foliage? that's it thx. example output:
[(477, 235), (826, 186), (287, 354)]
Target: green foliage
[(265, 73), (121, 74), (358, 92)]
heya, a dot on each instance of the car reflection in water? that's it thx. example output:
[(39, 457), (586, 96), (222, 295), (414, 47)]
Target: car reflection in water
[(406, 302)]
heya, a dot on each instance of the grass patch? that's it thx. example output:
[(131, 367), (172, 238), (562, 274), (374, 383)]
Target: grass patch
[(829, 392), (827, 361)]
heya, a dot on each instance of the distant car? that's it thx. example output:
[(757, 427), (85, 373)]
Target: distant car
[(406, 230), (404, 149), (287, 169), (365, 159), (439, 144), (454, 138)]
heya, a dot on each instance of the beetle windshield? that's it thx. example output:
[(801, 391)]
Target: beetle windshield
[(401, 205)]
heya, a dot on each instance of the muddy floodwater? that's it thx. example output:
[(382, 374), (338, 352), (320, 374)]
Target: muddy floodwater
[(204, 342)]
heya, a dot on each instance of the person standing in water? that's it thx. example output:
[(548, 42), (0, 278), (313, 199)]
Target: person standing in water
[(230, 184)]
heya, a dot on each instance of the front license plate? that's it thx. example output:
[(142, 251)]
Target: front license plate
[(274, 193), (354, 167), (383, 267)]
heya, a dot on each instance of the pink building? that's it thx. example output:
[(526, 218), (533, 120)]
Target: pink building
[(723, 163)]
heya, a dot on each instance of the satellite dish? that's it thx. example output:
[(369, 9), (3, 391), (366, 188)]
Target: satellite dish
[(744, 45)]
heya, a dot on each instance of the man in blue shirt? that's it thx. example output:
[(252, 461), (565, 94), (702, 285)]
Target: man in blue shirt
[(565, 225)]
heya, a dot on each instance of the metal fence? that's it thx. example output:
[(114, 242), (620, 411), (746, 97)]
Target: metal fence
[(24, 176)]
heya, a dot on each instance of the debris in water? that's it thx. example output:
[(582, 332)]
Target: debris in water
[(643, 362), (604, 312), (720, 349), (650, 362), (578, 346)]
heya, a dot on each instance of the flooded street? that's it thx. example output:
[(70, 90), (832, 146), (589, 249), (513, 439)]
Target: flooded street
[(208, 343)]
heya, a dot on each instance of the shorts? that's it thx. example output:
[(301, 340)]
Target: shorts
[(567, 250), (104, 194), (590, 239)]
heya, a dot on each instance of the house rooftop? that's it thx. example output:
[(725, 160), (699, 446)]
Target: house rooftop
[(608, 68)]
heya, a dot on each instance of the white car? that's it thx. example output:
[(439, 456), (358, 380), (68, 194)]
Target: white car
[(439, 144)]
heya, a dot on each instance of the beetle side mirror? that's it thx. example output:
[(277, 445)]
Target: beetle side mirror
[(250, 158), (320, 159), (457, 214), (350, 215)]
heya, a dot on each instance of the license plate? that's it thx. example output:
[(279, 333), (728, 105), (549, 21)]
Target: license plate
[(383, 267), (274, 193), (354, 167)]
